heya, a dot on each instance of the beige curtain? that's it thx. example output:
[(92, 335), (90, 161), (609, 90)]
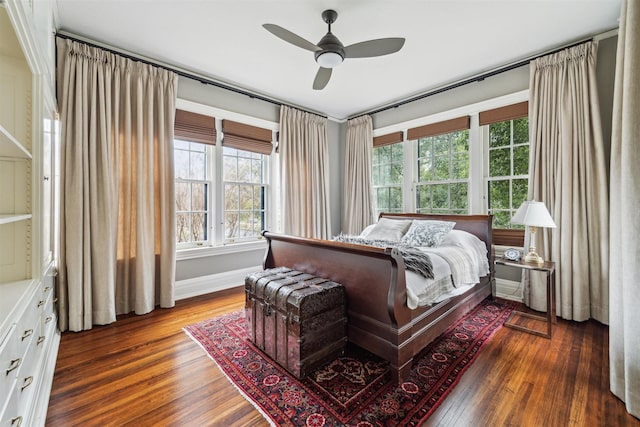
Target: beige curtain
[(304, 171), (358, 209), (624, 337), (117, 221), (567, 172)]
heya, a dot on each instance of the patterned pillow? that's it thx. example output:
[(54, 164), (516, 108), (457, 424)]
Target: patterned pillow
[(427, 232), (389, 229)]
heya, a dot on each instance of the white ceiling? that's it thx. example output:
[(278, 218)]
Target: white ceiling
[(446, 41)]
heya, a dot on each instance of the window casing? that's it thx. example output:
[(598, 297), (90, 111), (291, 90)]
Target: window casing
[(223, 194), (245, 192), (192, 193), (508, 169), (443, 173), (453, 172), (387, 170)]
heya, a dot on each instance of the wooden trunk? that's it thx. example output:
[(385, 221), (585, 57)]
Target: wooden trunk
[(297, 319)]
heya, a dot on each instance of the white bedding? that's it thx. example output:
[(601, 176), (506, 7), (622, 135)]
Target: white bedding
[(458, 264)]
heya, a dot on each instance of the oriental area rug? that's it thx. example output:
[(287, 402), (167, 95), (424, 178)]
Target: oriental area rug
[(354, 389)]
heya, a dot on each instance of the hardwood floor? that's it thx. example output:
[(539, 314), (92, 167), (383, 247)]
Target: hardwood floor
[(144, 370)]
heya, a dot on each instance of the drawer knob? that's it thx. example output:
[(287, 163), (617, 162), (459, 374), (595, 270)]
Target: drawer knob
[(27, 334), (48, 319), (40, 339), (17, 421), (27, 382), (40, 304), (14, 365), (47, 289)]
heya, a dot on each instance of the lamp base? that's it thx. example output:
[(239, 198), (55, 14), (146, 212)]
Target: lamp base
[(533, 258)]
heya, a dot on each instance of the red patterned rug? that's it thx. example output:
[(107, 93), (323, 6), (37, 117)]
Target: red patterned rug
[(355, 389)]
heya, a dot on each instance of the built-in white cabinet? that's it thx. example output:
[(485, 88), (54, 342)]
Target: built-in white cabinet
[(29, 336)]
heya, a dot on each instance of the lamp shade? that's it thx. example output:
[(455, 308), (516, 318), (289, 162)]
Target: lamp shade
[(533, 214)]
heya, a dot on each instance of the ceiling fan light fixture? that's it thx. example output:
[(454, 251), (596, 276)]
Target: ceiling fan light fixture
[(329, 59)]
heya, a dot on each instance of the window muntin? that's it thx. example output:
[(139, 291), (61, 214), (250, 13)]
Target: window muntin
[(443, 173), (244, 194), (508, 169), (192, 193), (387, 171)]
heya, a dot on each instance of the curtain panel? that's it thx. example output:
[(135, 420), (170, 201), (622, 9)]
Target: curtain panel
[(117, 202), (358, 209), (304, 171), (567, 172), (624, 339)]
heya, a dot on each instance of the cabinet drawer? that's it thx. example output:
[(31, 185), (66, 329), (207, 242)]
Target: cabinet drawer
[(9, 364), (14, 414)]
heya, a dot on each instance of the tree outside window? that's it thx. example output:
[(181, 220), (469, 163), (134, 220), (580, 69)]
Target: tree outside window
[(244, 194), (387, 171), (191, 190), (508, 169), (443, 173)]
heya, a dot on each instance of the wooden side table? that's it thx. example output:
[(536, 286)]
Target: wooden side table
[(548, 267)]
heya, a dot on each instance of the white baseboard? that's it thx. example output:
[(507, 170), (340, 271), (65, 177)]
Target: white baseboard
[(214, 282), (508, 289)]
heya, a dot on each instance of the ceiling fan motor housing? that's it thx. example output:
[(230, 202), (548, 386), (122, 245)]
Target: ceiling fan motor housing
[(329, 43)]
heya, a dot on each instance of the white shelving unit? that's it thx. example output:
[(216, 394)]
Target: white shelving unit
[(29, 336), (10, 147)]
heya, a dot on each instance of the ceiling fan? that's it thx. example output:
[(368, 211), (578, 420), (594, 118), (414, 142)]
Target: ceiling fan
[(330, 52)]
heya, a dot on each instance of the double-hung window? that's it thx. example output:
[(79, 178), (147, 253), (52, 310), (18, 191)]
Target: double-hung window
[(221, 180), (506, 132), (192, 190), (245, 151), (442, 182), (476, 163), (388, 170)]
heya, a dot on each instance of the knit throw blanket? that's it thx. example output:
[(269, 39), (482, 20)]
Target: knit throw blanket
[(414, 259)]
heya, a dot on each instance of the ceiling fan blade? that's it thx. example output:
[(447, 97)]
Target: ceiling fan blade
[(288, 36), (376, 47), (322, 78)]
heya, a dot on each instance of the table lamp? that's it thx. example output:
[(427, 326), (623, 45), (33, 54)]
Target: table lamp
[(533, 214)]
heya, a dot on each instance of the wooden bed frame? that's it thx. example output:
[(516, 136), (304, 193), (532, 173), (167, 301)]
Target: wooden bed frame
[(375, 285)]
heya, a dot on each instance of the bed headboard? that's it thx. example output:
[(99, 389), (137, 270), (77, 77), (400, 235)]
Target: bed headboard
[(479, 225)]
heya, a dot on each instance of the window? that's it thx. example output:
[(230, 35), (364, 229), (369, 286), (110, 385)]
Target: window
[(508, 169), (192, 189), (476, 163), (443, 173), (387, 178), (244, 194), (222, 180)]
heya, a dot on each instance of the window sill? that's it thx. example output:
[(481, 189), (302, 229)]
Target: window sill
[(230, 248)]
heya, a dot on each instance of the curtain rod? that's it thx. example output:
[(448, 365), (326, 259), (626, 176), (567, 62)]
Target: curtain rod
[(485, 75), (178, 71)]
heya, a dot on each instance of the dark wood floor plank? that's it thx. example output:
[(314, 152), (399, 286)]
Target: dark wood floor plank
[(144, 371)]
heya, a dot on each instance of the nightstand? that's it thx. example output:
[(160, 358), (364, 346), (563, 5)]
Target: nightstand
[(548, 267)]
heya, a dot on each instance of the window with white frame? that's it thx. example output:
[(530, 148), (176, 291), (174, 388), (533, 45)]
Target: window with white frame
[(221, 184), (443, 173), (508, 169), (387, 170), (244, 194), (467, 165), (191, 192)]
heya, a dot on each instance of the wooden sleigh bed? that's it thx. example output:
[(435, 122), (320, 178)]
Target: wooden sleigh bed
[(375, 286)]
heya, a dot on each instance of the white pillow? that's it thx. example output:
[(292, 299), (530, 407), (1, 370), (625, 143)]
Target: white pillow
[(389, 229), (367, 230), (427, 232), (464, 239)]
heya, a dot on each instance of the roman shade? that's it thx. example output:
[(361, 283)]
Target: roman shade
[(388, 139), (433, 129), (195, 127), (246, 137), (502, 114)]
